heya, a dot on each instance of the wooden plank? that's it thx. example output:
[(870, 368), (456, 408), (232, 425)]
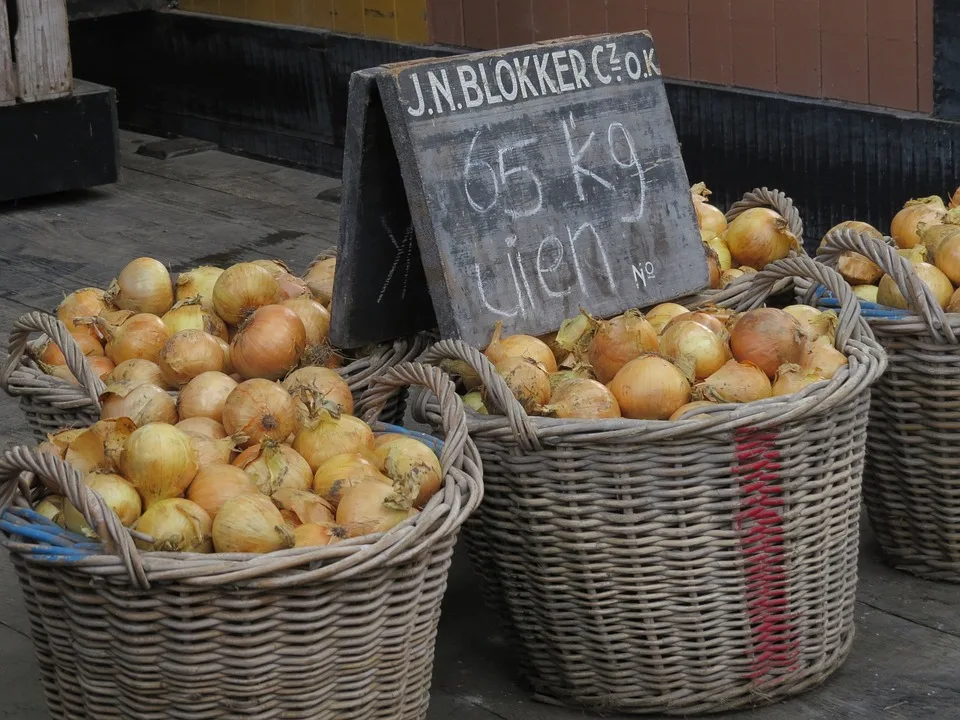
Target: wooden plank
[(8, 73), (86, 9), (44, 69)]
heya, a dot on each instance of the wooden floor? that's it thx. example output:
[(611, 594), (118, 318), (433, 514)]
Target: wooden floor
[(218, 209)]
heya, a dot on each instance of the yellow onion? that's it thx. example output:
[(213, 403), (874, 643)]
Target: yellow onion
[(250, 524), (198, 283), (63, 438), (650, 387), (51, 507), (241, 289), (955, 199), (160, 461), (413, 467), (101, 365), (322, 354), (203, 426), (954, 304), (325, 436), (815, 324), (314, 535), (50, 448), (119, 495), (550, 340), (318, 383), (139, 336), (905, 225), (113, 435), (187, 354), (314, 316), (768, 338), (85, 303), (137, 371), (142, 402), (867, 292), (463, 372), (277, 268), (574, 335), (694, 348), (292, 287), (889, 294), (61, 372), (713, 267), (260, 410), (715, 319), (189, 314), (227, 361), (948, 258), (212, 451), (372, 507), (269, 344), (527, 380), (659, 316), (274, 467), (824, 359), (319, 279), (719, 246), (52, 355), (685, 412), (474, 401), (176, 525), (205, 396), (735, 383), (915, 255), (793, 378), (582, 398), (575, 372), (215, 484), (618, 341), (519, 346), (854, 267), (143, 286), (299, 507), (709, 218), (758, 237), (932, 236), (728, 276)]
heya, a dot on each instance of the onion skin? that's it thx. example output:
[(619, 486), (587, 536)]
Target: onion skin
[(140, 336), (210, 451), (215, 484), (191, 315), (270, 344), (758, 237), (136, 370), (793, 378), (303, 506), (143, 286), (203, 426), (904, 226), (709, 218), (719, 246), (527, 380), (176, 525), (292, 287), (768, 338), (260, 410), (241, 289), (889, 294), (52, 355), (948, 258), (582, 398), (326, 437), (815, 324), (160, 462), (519, 346), (650, 388), (714, 270), (314, 316), (686, 412), (250, 524), (314, 535), (711, 322), (933, 236), (691, 343), (319, 279), (618, 341), (824, 360), (318, 383), (143, 403), (728, 276), (662, 314), (205, 396), (371, 507), (198, 283), (187, 354), (954, 304), (120, 496), (867, 292), (735, 383), (274, 467), (412, 466), (474, 401), (51, 507), (84, 303)]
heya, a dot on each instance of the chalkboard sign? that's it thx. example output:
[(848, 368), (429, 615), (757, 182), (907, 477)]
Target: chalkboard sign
[(539, 180)]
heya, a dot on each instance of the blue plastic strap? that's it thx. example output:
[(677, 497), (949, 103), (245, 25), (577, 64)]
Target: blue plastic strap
[(868, 309)]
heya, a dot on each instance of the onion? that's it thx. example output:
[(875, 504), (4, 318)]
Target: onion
[(142, 402), (277, 268), (768, 338), (325, 436), (933, 236), (314, 316), (719, 246), (815, 324), (948, 258), (915, 255), (261, 410), (904, 226), (618, 341), (205, 396), (176, 525), (84, 303), (650, 388), (519, 346), (318, 384), (709, 217), (143, 286), (578, 371), (955, 199), (954, 304), (713, 267), (51, 507), (113, 435), (274, 467), (250, 524), (527, 380), (241, 289), (319, 279), (474, 401), (299, 507), (212, 452), (215, 484), (824, 360), (714, 321), (372, 507), (314, 535), (691, 344), (135, 370), (582, 398), (101, 365), (119, 495), (198, 283), (63, 438), (758, 237), (728, 276), (269, 344), (227, 361), (189, 314), (160, 462), (139, 336), (854, 267), (866, 292), (685, 412), (322, 354), (659, 316), (793, 378), (889, 294), (292, 287), (413, 467), (735, 383), (52, 355), (203, 426), (575, 334), (187, 354)]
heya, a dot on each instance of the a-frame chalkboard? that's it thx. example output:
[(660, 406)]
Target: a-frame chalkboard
[(539, 180)]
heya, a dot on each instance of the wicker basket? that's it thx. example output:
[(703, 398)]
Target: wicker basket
[(332, 633), (685, 567), (911, 485), (51, 404)]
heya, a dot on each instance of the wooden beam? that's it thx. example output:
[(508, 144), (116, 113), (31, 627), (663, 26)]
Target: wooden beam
[(43, 50), (8, 73)]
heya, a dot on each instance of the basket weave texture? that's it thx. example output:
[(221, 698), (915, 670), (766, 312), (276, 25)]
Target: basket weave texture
[(51, 404), (677, 567), (912, 480), (331, 633)]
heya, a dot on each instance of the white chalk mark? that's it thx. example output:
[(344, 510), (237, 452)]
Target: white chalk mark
[(404, 251), (483, 296), (505, 174), (576, 156)]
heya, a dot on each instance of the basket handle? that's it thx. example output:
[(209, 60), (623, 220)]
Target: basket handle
[(773, 199), (918, 295), (36, 321)]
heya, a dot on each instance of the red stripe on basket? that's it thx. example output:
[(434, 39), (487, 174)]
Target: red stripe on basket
[(761, 537)]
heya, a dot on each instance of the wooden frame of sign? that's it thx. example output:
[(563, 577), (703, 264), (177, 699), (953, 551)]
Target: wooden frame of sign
[(539, 180)]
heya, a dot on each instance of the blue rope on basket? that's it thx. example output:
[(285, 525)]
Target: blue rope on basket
[(62, 545), (825, 299)]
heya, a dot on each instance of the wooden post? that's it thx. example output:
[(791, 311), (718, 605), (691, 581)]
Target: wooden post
[(43, 50), (8, 73)]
